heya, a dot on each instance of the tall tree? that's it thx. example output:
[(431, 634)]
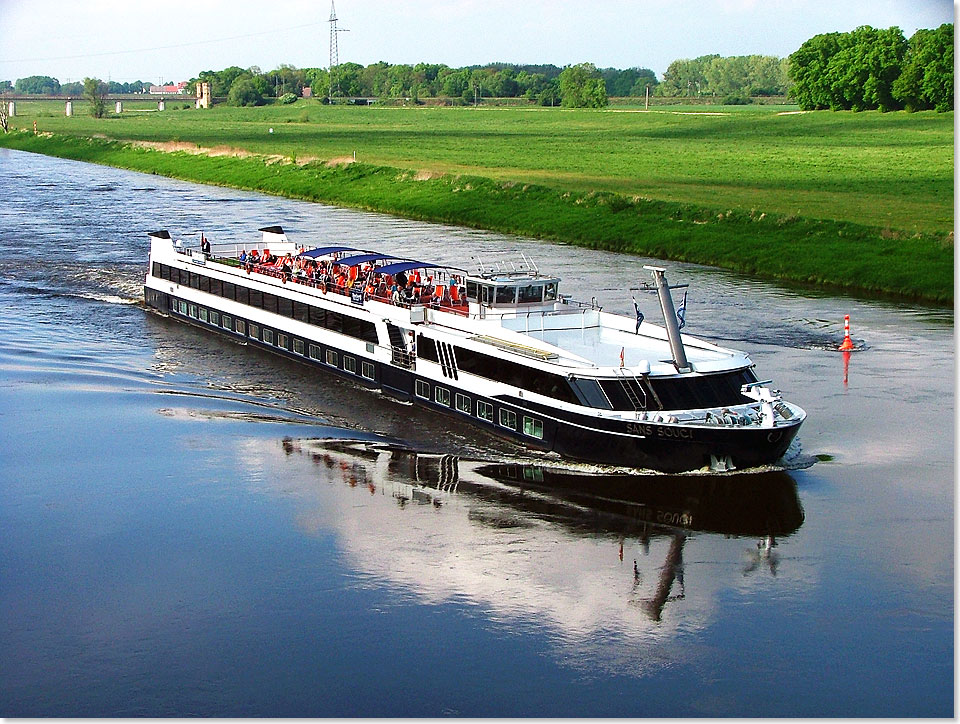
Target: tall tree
[(685, 77), (862, 72), (845, 71), (244, 92), (95, 91), (582, 87), (38, 84), (927, 78), (808, 71)]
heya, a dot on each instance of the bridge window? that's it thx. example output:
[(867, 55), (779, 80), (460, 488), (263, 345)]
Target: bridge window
[(506, 295), (531, 293), (473, 290)]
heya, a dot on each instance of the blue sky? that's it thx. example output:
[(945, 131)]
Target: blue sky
[(173, 40)]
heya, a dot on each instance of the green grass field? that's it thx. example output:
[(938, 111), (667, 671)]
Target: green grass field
[(891, 170), (858, 202)]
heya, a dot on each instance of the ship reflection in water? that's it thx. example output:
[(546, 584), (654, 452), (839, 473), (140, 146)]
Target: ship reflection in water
[(594, 556)]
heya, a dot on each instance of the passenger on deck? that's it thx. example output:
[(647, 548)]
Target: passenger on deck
[(243, 256), (204, 244)]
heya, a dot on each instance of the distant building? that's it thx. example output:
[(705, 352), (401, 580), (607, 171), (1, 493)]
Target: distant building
[(307, 93), (173, 90)]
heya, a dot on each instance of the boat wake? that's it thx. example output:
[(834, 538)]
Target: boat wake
[(109, 283)]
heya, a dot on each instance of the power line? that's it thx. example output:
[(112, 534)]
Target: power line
[(161, 47)]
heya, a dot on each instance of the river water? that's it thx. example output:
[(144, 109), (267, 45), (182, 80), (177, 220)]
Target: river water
[(191, 527)]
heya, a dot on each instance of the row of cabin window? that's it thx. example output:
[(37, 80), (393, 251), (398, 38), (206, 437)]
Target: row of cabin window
[(317, 316), (500, 370), (273, 337), (507, 418)]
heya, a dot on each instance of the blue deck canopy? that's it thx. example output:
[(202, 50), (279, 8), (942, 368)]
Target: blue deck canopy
[(361, 258), (402, 266), (324, 250)]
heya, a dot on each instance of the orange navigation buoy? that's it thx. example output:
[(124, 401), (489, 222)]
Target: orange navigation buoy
[(847, 342)]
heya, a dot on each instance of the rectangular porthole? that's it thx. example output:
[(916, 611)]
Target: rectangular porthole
[(315, 351), (298, 345), (464, 404), (203, 314), (533, 427), (508, 418), (484, 410), (215, 318), (331, 358), (368, 370), (441, 395), (268, 336), (254, 331), (423, 389), (350, 364)]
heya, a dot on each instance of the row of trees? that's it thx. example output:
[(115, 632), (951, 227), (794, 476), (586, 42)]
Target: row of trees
[(47, 86), (740, 75), (863, 69), (870, 68), (547, 84)]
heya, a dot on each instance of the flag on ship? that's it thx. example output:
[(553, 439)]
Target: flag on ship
[(682, 312)]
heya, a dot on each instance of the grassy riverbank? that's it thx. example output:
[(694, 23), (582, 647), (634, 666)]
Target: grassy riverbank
[(673, 187)]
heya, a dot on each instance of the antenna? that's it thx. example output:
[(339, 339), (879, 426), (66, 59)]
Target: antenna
[(334, 54)]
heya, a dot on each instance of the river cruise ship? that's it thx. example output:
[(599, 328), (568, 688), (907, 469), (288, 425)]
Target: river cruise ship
[(497, 347)]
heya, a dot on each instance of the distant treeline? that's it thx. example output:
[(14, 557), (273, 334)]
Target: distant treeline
[(870, 69), (539, 83), (863, 69), (581, 85), (44, 85)]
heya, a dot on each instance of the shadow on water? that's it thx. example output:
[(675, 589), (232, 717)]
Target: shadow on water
[(755, 505), (531, 505)]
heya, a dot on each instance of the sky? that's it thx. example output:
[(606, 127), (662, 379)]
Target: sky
[(174, 40)]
